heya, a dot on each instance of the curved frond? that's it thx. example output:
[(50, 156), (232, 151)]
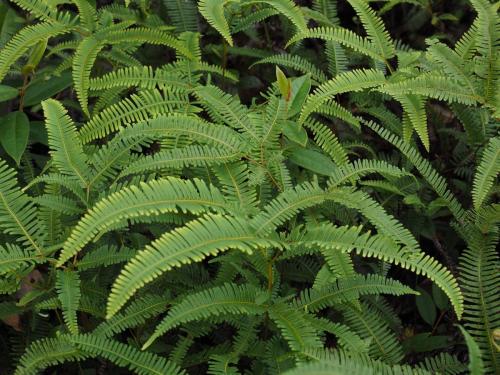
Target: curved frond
[(193, 242), (486, 173)]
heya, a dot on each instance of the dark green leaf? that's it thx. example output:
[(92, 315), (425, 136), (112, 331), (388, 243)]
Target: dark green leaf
[(14, 132)]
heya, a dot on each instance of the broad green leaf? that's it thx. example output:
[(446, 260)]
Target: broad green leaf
[(14, 132), (312, 160), (295, 132), (46, 87), (7, 93), (300, 89), (426, 307)]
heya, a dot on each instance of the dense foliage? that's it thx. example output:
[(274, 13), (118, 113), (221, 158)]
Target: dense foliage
[(249, 187)]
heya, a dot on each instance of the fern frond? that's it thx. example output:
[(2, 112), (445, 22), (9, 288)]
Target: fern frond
[(213, 12), (433, 178), (183, 14), (193, 242), (143, 106), (349, 289), (144, 77), (123, 355), (288, 9), (104, 256), (286, 205), (225, 299), (368, 323), (134, 315), (83, 61), (433, 86), (375, 28), (191, 156), (359, 168), (225, 108), (354, 80), (342, 36), (68, 290), (66, 148), (328, 141), (18, 215), (13, 258), (476, 366), (294, 62), (146, 199), (47, 352), (295, 327), (486, 173), (26, 38), (479, 278), (331, 238)]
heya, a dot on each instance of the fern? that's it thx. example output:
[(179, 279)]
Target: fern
[(487, 171), (68, 290)]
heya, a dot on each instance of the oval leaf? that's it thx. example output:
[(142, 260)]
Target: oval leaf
[(7, 93), (14, 132)]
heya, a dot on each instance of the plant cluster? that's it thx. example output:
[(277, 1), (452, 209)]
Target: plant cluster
[(248, 187)]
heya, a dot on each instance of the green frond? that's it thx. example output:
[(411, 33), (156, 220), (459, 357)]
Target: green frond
[(347, 338), (192, 127), (336, 56), (425, 168), (343, 36), (68, 290), (414, 107), (190, 243), (328, 141), (288, 9), (83, 61), (183, 14), (87, 14), (330, 238), (287, 205), (349, 289), (486, 172), (351, 172), (134, 315), (135, 202), (433, 86), (369, 324), (104, 256), (233, 178), (58, 203), (213, 12), (66, 148), (146, 105), (226, 109), (243, 23), (442, 363), (18, 215), (225, 299), (487, 36), (476, 366), (294, 62), (447, 59), (375, 28), (143, 363), (142, 35), (144, 77), (26, 38), (295, 327), (375, 213), (41, 9), (332, 109), (354, 80), (45, 353), (479, 278), (191, 156), (13, 258)]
